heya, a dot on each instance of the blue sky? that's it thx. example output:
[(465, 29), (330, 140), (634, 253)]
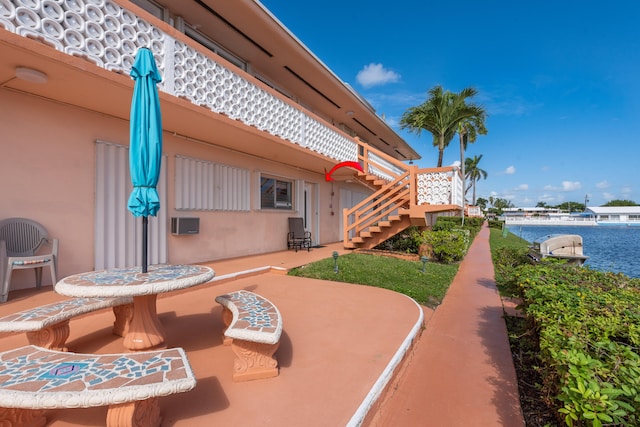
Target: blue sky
[(560, 80)]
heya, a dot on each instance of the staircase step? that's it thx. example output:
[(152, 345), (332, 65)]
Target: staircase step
[(350, 245), (365, 234), (357, 240), (374, 229), (384, 223)]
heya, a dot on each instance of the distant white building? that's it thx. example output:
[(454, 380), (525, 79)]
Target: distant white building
[(615, 215), (544, 216)]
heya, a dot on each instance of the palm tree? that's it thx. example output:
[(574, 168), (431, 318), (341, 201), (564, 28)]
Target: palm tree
[(474, 173), (441, 113), (468, 131)]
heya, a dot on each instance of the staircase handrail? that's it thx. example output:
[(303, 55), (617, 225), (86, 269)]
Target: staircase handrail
[(377, 206), (388, 168)]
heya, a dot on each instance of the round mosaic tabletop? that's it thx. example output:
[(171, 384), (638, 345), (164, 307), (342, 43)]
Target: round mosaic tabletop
[(132, 282)]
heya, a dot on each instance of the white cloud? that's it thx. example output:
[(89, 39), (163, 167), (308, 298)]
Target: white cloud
[(566, 186), (608, 196), (602, 185), (571, 186), (522, 187), (626, 191), (510, 170), (375, 75)]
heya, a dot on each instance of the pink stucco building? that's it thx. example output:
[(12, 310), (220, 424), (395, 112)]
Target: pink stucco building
[(252, 119)]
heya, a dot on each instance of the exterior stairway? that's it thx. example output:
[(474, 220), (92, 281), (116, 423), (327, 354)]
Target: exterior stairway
[(403, 196)]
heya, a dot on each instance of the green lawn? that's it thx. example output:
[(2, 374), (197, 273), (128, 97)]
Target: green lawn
[(497, 241), (402, 276)]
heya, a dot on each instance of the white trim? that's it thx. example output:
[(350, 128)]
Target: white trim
[(386, 376)]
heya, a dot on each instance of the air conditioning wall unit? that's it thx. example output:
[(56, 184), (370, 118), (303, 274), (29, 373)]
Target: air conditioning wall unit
[(181, 226)]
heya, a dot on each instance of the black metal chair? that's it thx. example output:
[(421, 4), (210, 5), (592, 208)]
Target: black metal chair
[(298, 237)]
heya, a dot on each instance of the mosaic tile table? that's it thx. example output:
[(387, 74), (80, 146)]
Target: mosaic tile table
[(34, 379), (145, 330)]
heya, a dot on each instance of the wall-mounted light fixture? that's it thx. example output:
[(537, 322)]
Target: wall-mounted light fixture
[(31, 75)]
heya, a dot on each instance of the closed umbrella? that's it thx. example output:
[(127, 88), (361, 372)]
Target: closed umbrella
[(145, 145)]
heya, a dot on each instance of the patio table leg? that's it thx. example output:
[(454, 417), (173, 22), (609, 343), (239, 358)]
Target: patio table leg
[(145, 330)]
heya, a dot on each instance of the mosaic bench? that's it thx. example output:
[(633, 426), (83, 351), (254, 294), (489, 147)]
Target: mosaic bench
[(48, 325), (252, 327), (34, 379)]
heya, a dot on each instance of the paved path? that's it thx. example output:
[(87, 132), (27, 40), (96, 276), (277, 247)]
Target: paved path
[(461, 372)]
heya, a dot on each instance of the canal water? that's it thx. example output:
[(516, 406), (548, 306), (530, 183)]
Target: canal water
[(614, 249)]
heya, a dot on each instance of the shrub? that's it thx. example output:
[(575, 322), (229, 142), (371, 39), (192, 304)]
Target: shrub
[(447, 246), (412, 241), (402, 242), (505, 261)]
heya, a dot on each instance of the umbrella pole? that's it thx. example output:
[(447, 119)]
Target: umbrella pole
[(145, 225)]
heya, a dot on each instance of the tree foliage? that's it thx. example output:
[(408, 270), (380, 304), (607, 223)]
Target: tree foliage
[(442, 113), (473, 174), (620, 203)]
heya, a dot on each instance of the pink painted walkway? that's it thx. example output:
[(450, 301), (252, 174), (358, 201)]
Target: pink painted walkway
[(461, 372)]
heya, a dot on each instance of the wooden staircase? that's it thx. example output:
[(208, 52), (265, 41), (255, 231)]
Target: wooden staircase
[(397, 202)]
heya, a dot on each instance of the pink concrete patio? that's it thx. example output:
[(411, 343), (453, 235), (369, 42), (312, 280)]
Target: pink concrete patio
[(342, 347)]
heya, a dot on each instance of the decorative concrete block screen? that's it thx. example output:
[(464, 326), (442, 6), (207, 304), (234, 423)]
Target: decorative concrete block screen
[(110, 36)]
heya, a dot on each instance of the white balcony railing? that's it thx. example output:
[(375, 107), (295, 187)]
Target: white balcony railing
[(109, 36), (439, 188)]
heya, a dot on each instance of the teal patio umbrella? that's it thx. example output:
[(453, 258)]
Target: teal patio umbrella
[(145, 145)]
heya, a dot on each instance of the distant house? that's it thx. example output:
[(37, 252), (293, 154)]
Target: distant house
[(252, 121), (615, 215), (473, 211)]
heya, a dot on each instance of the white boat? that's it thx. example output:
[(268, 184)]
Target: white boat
[(561, 246)]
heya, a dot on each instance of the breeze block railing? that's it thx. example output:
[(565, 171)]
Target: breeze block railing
[(109, 35)]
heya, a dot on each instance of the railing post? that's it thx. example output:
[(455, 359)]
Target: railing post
[(413, 184), (345, 225)]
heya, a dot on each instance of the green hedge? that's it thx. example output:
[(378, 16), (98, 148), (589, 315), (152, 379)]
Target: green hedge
[(588, 324)]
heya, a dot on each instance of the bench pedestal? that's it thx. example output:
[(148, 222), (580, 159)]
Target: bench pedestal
[(53, 337), (254, 360), (135, 414)]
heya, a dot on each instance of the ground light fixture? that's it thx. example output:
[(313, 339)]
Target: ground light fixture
[(424, 260), (335, 261)]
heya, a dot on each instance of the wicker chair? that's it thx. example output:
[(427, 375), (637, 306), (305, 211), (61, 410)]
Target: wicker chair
[(25, 244)]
